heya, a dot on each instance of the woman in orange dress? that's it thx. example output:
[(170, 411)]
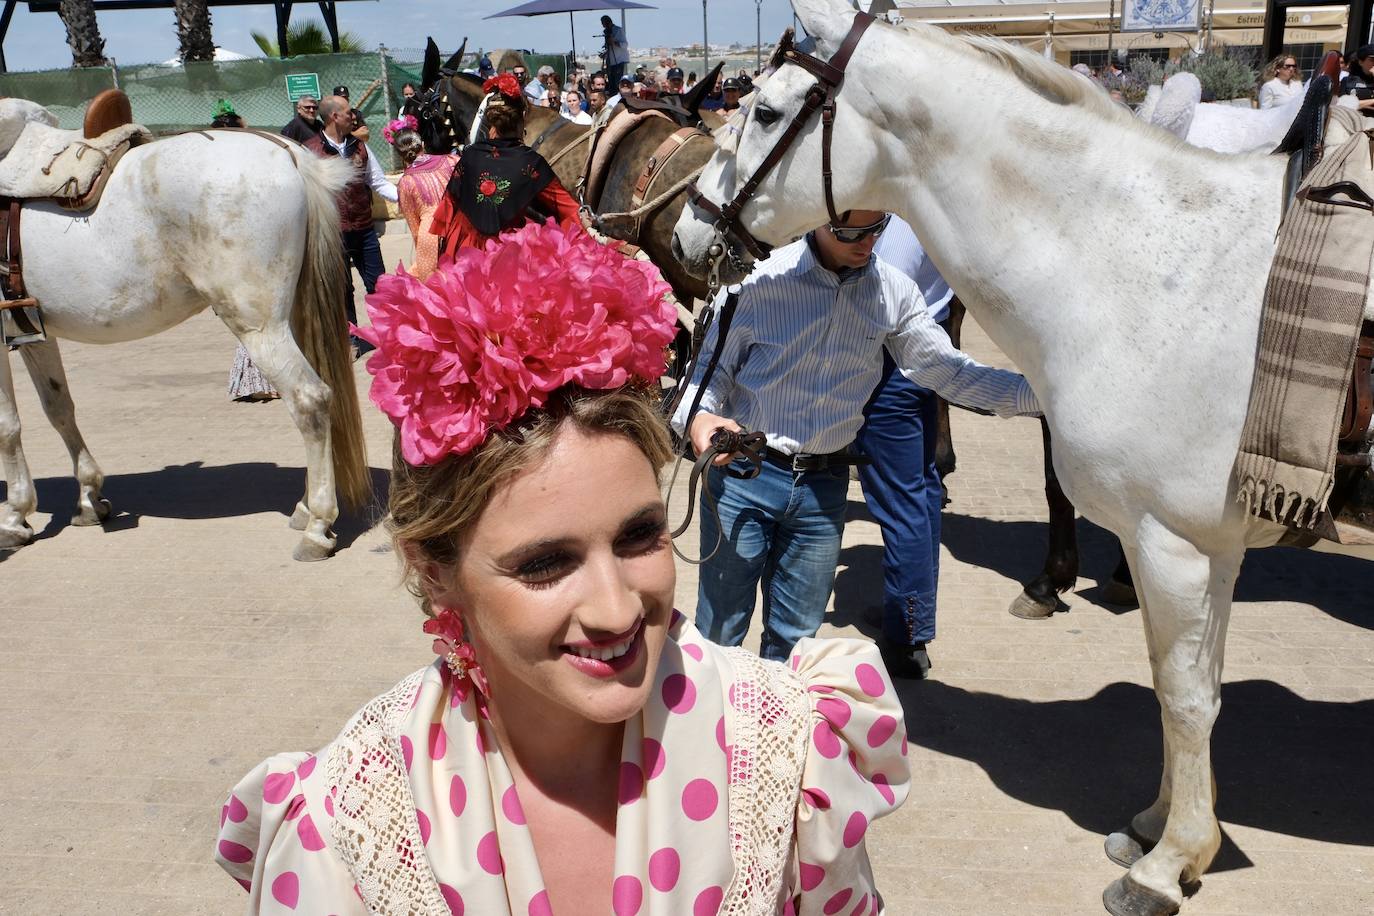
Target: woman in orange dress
[(500, 183), (420, 189)]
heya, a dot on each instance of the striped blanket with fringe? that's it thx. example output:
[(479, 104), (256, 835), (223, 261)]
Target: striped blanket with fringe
[(1313, 307)]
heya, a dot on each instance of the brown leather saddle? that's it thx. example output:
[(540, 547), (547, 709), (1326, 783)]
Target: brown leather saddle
[(21, 321)]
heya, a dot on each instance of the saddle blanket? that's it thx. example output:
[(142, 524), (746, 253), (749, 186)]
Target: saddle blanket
[(1309, 330), (48, 162)]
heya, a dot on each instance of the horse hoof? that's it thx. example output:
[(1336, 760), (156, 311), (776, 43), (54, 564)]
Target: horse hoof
[(1124, 847), (1127, 897), (1028, 608), (1120, 593), (92, 514), (300, 519), (11, 538), (308, 551)]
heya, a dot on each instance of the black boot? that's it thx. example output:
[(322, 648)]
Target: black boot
[(911, 662)]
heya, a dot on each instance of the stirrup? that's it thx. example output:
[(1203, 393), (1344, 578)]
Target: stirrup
[(21, 322)]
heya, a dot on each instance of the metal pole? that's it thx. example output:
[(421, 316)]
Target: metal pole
[(573, 63), (1111, 18), (758, 36), (705, 40)]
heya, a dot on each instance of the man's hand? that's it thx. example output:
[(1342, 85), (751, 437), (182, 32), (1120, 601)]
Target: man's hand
[(704, 425)]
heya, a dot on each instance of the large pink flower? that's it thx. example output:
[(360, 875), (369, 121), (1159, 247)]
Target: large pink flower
[(492, 333)]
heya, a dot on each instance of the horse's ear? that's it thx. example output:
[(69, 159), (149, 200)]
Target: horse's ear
[(430, 74), (827, 21), (785, 44), (692, 100), (455, 63)]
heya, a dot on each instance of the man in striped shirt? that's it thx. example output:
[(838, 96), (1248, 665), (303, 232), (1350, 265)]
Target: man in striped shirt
[(803, 356)]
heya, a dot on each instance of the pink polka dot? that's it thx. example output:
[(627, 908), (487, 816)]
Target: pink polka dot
[(835, 711), (730, 695), (631, 783), (720, 733), (423, 820), (794, 663), (329, 805), (694, 651), (295, 807), (407, 751), (654, 758), (679, 693), (903, 745), (708, 902), (861, 907), (234, 852), (880, 783), (873, 906), (664, 868), (277, 786), (237, 810), (820, 688), (438, 741), (310, 837), (457, 795), (540, 906), (870, 680), (881, 731), (626, 895), (510, 806), (811, 876), (286, 889), (676, 618), (854, 829), (837, 901), (223, 814), (454, 900), (826, 742), (245, 884), (481, 742), (816, 798), (307, 766), (489, 854), (699, 799)]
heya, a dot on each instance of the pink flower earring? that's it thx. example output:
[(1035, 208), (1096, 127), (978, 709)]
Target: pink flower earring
[(451, 644)]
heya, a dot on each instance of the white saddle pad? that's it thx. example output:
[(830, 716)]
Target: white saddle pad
[(47, 161)]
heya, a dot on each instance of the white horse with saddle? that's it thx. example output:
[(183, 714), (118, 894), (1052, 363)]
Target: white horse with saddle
[(242, 223), (1141, 347)]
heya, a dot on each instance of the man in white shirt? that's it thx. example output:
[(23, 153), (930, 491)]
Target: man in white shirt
[(1285, 86), (803, 355), (617, 49), (361, 245)]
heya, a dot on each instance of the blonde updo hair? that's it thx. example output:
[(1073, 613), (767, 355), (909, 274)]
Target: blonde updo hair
[(432, 508)]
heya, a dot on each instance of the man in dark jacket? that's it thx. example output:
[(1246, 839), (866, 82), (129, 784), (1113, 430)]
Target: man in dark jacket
[(304, 125)]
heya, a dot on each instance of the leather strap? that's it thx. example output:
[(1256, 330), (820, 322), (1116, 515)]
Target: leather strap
[(548, 132), (1359, 404), (16, 260)]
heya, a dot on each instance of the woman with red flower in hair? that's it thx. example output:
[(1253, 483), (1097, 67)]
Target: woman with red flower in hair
[(499, 183)]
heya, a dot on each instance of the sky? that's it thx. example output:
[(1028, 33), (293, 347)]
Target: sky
[(37, 41)]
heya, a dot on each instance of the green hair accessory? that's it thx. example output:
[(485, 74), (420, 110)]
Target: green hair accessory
[(224, 107)]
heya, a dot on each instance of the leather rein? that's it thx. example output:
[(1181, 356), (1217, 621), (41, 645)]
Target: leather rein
[(820, 97)]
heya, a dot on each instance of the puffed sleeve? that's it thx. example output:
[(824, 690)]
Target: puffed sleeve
[(272, 840), (856, 771)]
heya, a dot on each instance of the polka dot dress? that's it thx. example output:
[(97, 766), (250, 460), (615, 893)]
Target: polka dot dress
[(672, 836)]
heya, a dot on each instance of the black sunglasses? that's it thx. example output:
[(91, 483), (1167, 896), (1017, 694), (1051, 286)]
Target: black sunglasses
[(851, 235)]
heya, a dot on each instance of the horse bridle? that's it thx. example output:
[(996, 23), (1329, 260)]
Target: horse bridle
[(820, 97)]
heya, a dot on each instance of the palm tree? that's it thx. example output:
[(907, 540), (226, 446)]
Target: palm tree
[(308, 38), (83, 33), (193, 30)]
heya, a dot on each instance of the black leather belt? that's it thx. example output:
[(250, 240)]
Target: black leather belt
[(800, 464)]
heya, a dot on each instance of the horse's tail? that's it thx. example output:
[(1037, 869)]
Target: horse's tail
[(320, 324)]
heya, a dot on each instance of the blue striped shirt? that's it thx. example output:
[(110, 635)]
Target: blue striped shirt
[(805, 352)]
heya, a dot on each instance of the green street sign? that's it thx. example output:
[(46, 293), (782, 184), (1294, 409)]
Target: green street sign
[(299, 85)]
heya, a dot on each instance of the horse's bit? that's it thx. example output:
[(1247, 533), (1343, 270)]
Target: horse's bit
[(820, 97)]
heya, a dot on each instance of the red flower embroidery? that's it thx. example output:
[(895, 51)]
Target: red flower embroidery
[(487, 187)]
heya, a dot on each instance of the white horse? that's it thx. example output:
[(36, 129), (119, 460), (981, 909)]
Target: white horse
[(224, 220), (1176, 107), (1140, 344)]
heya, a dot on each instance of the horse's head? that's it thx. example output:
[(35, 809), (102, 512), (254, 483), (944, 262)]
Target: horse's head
[(444, 105), (789, 198)]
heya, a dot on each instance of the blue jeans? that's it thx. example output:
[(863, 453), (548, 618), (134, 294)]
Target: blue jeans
[(363, 250), (780, 528), (902, 489)]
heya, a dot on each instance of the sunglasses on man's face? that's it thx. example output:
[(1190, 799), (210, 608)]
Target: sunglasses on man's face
[(852, 235), (310, 108)]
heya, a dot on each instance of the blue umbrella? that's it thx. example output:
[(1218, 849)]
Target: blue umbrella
[(545, 7)]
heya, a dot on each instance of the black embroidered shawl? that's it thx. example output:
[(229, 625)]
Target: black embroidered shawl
[(495, 183)]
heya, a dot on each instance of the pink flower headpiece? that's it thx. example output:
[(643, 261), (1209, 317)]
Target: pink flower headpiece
[(408, 122), (492, 333)]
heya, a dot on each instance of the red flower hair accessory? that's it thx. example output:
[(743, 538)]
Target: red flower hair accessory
[(492, 333), (506, 84)]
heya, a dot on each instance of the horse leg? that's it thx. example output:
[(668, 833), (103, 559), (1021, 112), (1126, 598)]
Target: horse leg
[(946, 461), (1120, 588), (1187, 604), (1040, 598), (44, 362), (14, 530), (307, 398)]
